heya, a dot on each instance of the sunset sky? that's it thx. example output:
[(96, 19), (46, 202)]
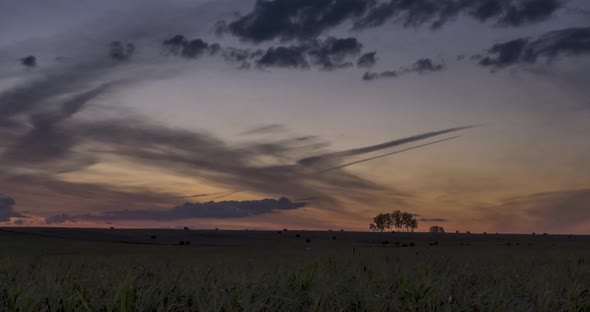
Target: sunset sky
[(207, 113)]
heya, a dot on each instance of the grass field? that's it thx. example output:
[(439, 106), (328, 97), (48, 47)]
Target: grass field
[(148, 270)]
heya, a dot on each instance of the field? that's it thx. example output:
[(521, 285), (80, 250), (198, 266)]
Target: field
[(43, 269)]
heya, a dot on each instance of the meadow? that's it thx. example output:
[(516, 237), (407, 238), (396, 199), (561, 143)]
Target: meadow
[(43, 269)]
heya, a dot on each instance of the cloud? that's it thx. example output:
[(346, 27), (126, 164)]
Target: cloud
[(29, 61), (179, 45), (558, 210), (367, 60), (7, 209), (60, 218), (326, 158), (44, 133), (287, 20), (436, 13), (46, 140), (433, 220), (120, 51), (331, 53), (293, 56), (216, 210), (272, 128), (421, 66), (526, 51)]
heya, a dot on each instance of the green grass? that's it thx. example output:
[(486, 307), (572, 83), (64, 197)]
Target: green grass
[(47, 274)]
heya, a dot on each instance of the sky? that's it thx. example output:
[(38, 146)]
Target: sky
[(470, 114)]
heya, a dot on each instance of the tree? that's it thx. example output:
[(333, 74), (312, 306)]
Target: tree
[(397, 220), (381, 222), (436, 229), (414, 224), (409, 222)]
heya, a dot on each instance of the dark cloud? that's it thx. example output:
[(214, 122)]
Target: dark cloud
[(29, 61), (60, 218), (426, 65), (18, 222), (179, 45), (334, 53), (120, 51), (7, 209), (293, 56), (287, 19), (217, 210), (523, 51), (306, 19), (331, 53), (421, 66), (436, 13), (433, 220), (367, 60)]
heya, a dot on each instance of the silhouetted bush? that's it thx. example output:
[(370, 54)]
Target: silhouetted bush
[(384, 242), (412, 244), (181, 243), (333, 237), (307, 240), (186, 227), (297, 235), (154, 236)]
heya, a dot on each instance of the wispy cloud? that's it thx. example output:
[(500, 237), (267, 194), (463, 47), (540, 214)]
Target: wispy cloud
[(215, 210), (548, 47)]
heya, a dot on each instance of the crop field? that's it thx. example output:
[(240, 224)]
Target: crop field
[(43, 269)]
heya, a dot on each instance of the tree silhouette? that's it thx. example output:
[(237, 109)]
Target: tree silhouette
[(397, 220), (436, 229)]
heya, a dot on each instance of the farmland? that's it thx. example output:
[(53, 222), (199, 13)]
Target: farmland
[(51, 269)]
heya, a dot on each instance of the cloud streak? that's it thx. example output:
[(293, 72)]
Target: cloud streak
[(208, 210), (548, 47), (421, 66), (373, 148)]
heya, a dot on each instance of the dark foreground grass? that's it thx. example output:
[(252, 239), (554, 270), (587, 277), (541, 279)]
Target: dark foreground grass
[(48, 274)]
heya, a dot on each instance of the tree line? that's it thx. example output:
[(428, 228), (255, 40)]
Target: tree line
[(397, 221)]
